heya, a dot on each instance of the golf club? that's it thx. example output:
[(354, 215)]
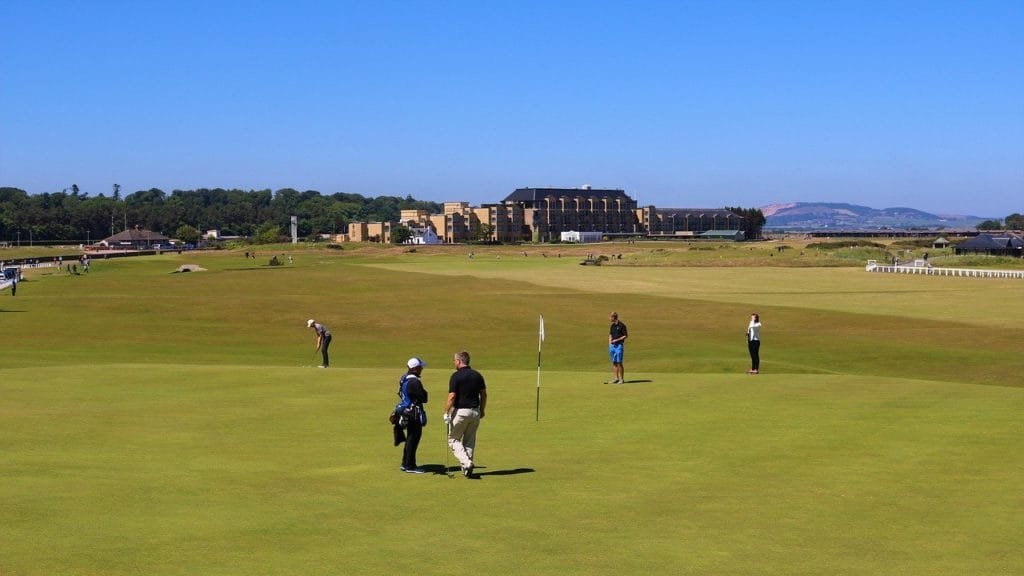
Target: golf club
[(448, 433)]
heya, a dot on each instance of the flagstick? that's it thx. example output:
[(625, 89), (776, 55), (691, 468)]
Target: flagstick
[(540, 340), (538, 385)]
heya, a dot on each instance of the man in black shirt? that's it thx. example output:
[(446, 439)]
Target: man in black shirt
[(617, 335), (467, 400)]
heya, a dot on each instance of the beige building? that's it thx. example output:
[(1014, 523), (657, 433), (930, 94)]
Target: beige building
[(686, 221), (547, 212), (542, 214), (379, 232)]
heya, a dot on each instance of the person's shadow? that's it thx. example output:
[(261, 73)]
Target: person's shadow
[(631, 382), (440, 469)]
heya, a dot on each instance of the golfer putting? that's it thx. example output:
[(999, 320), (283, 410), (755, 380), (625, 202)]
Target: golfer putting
[(323, 340)]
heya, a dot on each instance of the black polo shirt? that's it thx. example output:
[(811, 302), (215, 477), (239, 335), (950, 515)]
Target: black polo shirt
[(618, 330), (466, 384)]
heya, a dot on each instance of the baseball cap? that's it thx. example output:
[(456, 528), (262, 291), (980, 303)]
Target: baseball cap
[(415, 362), (309, 323)]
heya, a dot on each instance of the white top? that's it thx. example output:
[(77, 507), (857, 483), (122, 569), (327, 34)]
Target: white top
[(754, 331)]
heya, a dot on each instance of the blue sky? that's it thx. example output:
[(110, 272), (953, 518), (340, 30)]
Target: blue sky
[(682, 104)]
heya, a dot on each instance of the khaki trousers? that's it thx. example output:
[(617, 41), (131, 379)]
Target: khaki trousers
[(462, 436)]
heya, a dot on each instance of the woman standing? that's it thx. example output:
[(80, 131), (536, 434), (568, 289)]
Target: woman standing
[(754, 343)]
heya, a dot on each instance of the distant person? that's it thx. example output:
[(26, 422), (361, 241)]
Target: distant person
[(14, 285), (410, 413), (463, 411), (754, 343), (617, 335), (323, 340)]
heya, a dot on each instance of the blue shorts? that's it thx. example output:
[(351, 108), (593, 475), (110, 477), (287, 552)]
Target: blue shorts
[(615, 351)]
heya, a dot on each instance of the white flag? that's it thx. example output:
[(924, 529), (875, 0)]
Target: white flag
[(541, 327)]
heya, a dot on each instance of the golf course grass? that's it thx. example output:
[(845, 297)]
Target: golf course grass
[(154, 422)]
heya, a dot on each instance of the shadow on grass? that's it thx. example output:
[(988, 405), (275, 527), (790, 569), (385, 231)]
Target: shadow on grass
[(455, 471), (511, 472), (629, 382)]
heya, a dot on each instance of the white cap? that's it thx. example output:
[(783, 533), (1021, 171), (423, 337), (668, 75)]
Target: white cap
[(309, 323), (415, 362)]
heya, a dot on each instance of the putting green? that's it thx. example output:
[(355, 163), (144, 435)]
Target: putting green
[(166, 423)]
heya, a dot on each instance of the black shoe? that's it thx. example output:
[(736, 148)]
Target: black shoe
[(467, 471)]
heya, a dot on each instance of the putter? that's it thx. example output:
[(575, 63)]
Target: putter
[(448, 433)]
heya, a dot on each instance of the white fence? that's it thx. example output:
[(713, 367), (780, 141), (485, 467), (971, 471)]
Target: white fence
[(918, 268)]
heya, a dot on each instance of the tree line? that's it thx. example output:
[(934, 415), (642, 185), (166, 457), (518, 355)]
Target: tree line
[(72, 217), (1012, 222), (753, 221)]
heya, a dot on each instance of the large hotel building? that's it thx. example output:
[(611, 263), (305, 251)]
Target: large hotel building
[(542, 214)]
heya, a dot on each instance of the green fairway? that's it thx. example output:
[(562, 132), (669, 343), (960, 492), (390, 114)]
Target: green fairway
[(171, 423)]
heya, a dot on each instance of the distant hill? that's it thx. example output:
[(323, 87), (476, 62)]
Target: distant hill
[(837, 216)]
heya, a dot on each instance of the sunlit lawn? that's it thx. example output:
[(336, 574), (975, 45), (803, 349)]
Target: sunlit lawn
[(160, 423)]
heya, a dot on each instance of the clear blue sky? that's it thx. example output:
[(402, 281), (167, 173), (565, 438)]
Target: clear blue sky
[(682, 104)]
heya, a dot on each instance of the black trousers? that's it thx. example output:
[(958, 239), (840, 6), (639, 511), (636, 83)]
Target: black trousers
[(323, 350), (754, 346), (413, 433)]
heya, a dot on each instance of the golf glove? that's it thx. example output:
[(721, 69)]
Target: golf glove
[(447, 418)]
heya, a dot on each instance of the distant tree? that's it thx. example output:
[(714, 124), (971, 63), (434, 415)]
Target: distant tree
[(117, 192), (753, 221), (400, 234), (486, 231), (990, 225), (480, 231), (1015, 221), (268, 233), (74, 189), (187, 233)]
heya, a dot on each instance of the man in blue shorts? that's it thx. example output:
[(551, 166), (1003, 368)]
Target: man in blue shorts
[(617, 335)]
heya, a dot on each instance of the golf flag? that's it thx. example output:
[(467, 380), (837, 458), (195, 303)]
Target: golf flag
[(540, 339)]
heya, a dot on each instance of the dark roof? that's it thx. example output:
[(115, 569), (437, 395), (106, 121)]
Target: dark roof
[(536, 194), (992, 242), (136, 235)]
